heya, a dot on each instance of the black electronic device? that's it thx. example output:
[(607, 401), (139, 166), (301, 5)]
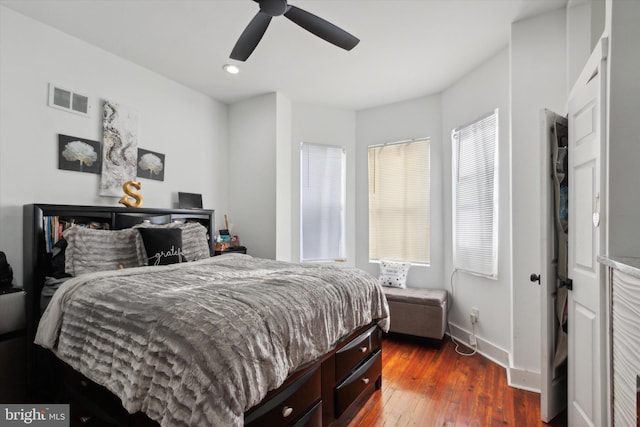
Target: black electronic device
[(189, 200)]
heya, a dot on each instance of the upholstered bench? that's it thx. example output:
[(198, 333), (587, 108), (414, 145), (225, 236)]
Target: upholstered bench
[(417, 311)]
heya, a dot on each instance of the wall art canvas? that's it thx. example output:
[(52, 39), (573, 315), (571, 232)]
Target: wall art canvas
[(120, 148), (78, 154), (150, 165)]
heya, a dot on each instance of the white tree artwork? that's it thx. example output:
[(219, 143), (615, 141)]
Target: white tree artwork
[(120, 151), (150, 165), (78, 154), (78, 151)]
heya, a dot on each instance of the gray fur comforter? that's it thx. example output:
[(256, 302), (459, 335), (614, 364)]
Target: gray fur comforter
[(199, 343)]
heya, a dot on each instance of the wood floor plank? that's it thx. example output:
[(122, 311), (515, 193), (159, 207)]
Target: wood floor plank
[(430, 386)]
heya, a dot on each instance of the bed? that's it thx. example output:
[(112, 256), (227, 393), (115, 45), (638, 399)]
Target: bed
[(228, 340)]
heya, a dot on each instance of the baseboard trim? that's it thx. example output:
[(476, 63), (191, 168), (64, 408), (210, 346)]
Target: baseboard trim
[(517, 378), (485, 348), (525, 380)]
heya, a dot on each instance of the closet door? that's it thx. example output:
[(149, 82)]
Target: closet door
[(553, 384), (587, 342)]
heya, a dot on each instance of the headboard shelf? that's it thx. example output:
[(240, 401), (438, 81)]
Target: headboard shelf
[(37, 262)]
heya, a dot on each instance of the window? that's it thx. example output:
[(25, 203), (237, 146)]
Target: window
[(322, 194), (399, 205), (475, 197)]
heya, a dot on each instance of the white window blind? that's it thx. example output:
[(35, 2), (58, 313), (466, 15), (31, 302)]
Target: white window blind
[(322, 193), (475, 197), (399, 205)]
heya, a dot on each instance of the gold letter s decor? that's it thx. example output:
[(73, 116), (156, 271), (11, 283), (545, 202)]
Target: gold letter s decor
[(127, 189)]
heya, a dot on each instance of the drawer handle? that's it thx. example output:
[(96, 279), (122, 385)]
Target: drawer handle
[(286, 411), (363, 349), (365, 380)]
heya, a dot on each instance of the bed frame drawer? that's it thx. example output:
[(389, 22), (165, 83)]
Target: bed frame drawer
[(364, 378), (92, 402), (313, 418), (292, 403), (359, 349)]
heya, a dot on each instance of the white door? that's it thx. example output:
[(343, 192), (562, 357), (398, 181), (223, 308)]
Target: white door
[(553, 389), (586, 358)]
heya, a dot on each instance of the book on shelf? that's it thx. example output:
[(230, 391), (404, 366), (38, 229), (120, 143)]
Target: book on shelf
[(54, 226)]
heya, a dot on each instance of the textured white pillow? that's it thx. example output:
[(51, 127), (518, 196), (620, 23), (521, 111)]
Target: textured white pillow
[(195, 244), (394, 274), (90, 250)]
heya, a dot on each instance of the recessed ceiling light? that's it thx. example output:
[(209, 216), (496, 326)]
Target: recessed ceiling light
[(231, 69)]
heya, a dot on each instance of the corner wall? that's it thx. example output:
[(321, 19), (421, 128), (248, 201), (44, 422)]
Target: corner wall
[(538, 81), (252, 174), (285, 196), (264, 196)]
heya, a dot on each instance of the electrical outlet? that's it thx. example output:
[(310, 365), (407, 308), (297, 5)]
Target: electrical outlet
[(475, 314), (472, 340)]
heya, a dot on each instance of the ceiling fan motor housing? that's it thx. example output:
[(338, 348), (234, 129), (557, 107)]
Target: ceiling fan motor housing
[(273, 7)]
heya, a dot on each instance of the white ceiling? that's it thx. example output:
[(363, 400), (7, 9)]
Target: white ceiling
[(408, 48)]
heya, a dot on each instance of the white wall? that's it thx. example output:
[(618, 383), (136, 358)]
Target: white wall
[(330, 126), (252, 173), (578, 38), (598, 21), (286, 207), (186, 126), (480, 92), (585, 24), (538, 81), (623, 110), (414, 118)]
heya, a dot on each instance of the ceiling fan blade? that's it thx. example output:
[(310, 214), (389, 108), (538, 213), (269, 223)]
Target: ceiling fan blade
[(250, 37), (321, 28)]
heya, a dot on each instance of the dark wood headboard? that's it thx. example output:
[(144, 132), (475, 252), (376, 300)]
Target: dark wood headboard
[(37, 262)]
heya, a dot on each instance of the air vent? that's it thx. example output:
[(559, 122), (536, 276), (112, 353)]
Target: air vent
[(65, 99)]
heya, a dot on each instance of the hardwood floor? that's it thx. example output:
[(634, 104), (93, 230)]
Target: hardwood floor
[(427, 386)]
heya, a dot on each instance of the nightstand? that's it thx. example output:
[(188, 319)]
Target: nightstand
[(13, 358), (232, 250)]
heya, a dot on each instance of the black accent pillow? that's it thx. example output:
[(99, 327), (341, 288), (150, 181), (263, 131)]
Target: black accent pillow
[(6, 272), (163, 245)]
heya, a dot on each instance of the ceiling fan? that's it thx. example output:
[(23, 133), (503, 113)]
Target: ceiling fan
[(252, 35)]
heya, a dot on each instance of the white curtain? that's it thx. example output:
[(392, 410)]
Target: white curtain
[(322, 193)]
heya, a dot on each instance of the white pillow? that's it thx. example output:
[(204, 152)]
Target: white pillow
[(90, 250), (394, 274)]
